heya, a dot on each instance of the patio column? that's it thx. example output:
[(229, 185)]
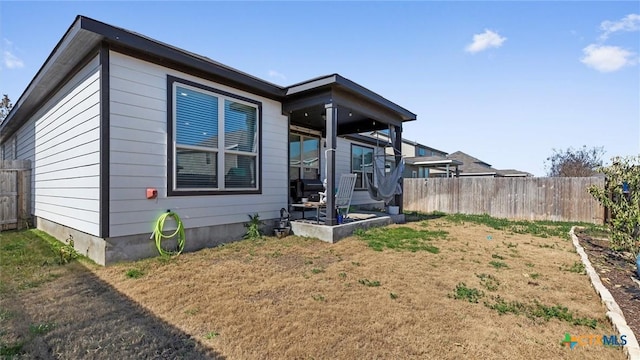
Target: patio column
[(397, 146), (331, 113)]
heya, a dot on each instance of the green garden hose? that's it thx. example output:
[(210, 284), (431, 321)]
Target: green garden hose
[(159, 236)]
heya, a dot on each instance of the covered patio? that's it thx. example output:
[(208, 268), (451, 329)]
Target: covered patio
[(333, 106)]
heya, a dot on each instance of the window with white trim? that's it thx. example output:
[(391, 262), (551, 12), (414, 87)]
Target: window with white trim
[(361, 164), (203, 160)]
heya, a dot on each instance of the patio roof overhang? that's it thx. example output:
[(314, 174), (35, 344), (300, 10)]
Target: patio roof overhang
[(358, 108), (336, 106)]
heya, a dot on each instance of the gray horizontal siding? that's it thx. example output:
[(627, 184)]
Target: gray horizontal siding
[(62, 141), (343, 166), (138, 155)]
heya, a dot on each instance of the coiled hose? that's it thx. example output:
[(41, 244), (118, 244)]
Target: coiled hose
[(159, 236)]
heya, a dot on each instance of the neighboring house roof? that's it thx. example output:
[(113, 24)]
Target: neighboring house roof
[(478, 173), (468, 159), (472, 166), (86, 36), (513, 173)]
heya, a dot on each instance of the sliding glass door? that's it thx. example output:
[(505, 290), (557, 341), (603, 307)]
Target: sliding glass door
[(304, 157)]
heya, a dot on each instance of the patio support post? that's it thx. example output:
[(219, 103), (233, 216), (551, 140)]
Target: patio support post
[(331, 112), (397, 146)]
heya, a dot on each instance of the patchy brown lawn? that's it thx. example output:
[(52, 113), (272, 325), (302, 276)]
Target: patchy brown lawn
[(301, 298)]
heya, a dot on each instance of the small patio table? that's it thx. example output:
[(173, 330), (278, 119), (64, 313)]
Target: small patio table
[(310, 205)]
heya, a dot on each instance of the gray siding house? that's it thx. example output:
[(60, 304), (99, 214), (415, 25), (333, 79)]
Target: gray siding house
[(112, 113)]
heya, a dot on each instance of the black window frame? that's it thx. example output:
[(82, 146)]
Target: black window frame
[(171, 149), (351, 171)]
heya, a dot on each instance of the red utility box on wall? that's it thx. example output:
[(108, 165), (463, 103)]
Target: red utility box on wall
[(152, 193)]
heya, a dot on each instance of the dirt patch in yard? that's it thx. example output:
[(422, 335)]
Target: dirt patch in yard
[(617, 271)]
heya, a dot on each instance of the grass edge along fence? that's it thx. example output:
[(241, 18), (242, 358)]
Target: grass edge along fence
[(554, 199)]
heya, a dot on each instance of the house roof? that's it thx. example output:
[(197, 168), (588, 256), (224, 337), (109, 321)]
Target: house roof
[(513, 173), (336, 80), (471, 165), (468, 159), (85, 37), (475, 167), (487, 173)]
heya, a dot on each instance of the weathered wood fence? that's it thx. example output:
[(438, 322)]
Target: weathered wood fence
[(557, 199), (15, 194)]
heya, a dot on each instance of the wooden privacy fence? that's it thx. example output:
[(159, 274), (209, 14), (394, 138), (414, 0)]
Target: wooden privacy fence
[(15, 194), (557, 199)]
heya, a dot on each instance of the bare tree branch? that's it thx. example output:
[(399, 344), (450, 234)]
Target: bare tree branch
[(574, 163)]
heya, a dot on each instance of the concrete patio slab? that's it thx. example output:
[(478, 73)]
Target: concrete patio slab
[(332, 234)]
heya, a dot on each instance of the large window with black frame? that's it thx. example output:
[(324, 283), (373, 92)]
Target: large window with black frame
[(362, 164), (215, 137)]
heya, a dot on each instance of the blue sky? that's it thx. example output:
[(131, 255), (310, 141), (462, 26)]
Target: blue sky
[(506, 82)]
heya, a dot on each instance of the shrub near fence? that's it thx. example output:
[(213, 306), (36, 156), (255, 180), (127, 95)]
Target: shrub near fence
[(15, 194), (556, 199)]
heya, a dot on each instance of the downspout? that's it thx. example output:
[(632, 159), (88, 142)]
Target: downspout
[(105, 141)]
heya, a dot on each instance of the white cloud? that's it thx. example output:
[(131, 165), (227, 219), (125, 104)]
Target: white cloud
[(11, 61), (487, 39), (607, 58), (630, 22), (275, 74)]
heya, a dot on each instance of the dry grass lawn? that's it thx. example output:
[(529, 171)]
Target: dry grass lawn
[(304, 299)]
